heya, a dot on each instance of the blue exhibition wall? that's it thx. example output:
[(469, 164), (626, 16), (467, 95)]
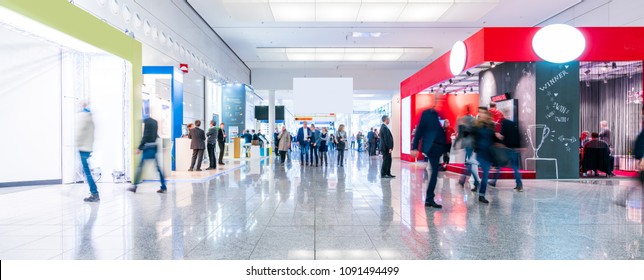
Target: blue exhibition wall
[(176, 100), (234, 108)]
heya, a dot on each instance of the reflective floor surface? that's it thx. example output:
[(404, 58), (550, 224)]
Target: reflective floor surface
[(268, 211)]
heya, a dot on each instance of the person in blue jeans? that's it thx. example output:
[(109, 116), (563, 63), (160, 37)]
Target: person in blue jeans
[(84, 144), (303, 138), (511, 139), (484, 139), (466, 140), (148, 148)]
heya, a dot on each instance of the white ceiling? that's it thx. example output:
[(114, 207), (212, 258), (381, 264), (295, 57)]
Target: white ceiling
[(245, 35)]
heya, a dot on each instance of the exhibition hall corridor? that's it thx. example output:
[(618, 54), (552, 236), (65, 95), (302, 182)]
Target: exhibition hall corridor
[(265, 210)]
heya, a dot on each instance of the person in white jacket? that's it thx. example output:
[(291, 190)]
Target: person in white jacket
[(84, 144)]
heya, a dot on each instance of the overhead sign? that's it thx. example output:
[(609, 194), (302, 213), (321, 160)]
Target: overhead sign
[(183, 67), (502, 97)]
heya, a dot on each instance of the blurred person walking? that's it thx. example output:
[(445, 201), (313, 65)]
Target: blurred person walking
[(148, 148), (484, 136), (466, 139), (431, 133), (85, 145), (510, 138)]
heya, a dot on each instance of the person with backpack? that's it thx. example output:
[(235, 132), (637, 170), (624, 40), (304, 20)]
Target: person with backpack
[(510, 141)]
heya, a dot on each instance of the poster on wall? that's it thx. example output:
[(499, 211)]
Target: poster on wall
[(234, 106), (553, 138)]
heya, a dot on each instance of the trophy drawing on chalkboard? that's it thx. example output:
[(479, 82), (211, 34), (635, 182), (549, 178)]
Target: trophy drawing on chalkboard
[(542, 129)]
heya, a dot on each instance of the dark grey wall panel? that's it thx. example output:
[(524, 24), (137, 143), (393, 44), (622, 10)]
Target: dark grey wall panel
[(518, 79), (557, 119)]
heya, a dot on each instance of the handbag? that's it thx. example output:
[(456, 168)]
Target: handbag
[(340, 145), (255, 142), (500, 155)]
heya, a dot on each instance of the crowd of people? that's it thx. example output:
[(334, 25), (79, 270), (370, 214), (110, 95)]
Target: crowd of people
[(489, 139), (595, 152)]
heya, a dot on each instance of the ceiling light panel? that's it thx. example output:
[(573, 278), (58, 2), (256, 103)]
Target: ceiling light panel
[(300, 54), (300, 11), (249, 10), (424, 12), (392, 54), (272, 54), (359, 10), (329, 54), (416, 54), (340, 11), (380, 12), (358, 54), (344, 54), (468, 10)]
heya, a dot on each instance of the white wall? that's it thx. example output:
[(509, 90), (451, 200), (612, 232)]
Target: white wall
[(30, 109), (395, 124), (193, 99), (193, 41), (602, 13), (363, 78), (107, 90)]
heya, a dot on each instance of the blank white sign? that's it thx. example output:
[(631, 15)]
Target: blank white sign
[(323, 95)]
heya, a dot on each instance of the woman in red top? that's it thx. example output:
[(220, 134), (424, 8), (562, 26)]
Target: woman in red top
[(449, 131)]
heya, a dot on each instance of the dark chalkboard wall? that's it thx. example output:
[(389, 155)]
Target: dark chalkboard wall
[(557, 109), (517, 78)]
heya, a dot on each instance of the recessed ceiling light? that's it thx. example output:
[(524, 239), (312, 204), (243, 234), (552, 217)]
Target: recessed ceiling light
[(344, 54), (360, 10), (366, 34)]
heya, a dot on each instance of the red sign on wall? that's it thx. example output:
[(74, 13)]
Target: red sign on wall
[(502, 97), (183, 68)]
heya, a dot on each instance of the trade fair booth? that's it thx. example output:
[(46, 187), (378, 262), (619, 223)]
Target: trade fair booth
[(163, 101), (556, 82), (51, 68)]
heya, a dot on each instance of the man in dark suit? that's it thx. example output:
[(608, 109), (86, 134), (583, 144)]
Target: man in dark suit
[(197, 145), (304, 139), (221, 141), (371, 137), (386, 148), (433, 139), (148, 147), (212, 142)]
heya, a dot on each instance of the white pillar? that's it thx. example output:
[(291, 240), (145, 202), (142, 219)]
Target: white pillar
[(271, 115)]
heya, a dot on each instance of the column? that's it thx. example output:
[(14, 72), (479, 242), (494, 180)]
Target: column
[(271, 116)]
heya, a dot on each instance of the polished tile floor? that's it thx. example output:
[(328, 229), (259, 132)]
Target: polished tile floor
[(268, 211)]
